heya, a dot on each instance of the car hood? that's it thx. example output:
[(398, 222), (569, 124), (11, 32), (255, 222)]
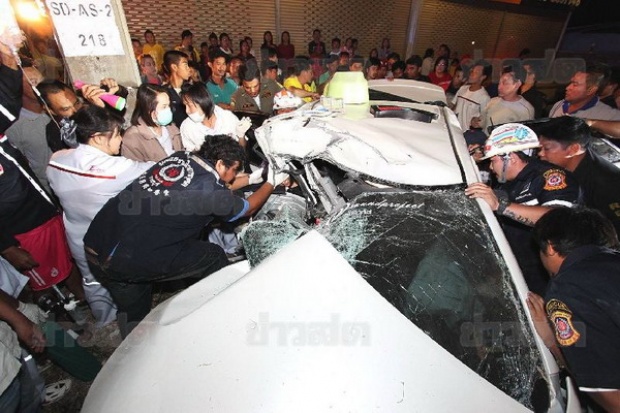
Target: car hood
[(314, 338), (393, 150)]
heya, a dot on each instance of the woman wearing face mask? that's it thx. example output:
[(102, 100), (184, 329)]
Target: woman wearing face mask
[(152, 136), (84, 179), (205, 119)]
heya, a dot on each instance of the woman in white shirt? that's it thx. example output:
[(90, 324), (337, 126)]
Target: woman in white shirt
[(204, 118), (84, 179), (152, 136)]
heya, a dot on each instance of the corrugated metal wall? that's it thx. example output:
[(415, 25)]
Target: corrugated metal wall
[(457, 24), (169, 18), (497, 33), (369, 22)]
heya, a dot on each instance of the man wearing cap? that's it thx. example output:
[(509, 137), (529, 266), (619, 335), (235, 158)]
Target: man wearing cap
[(528, 188)]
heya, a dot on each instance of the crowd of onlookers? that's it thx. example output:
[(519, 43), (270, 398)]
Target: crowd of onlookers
[(71, 169)]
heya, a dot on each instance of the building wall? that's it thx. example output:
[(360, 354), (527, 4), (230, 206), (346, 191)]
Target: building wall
[(369, 22), (499, 33)]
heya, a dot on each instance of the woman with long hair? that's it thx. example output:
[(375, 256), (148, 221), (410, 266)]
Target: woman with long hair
[(285, 49), (152, 136)]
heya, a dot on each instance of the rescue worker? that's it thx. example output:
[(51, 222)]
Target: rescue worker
[(566, 142), (582, 301), (150, 231), (528, 189)]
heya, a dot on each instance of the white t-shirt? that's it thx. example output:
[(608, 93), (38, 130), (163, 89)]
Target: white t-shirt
[(193, 134), (500, 111), (469, 104), (84, 179)]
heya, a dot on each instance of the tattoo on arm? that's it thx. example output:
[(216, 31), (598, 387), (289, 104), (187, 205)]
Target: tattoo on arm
[(518, 218)]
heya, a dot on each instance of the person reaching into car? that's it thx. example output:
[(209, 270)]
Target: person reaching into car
[(528, 189), (150, 231), (579, 249)]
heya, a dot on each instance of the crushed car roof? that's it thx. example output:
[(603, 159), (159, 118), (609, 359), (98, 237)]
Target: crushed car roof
[(395, 150)]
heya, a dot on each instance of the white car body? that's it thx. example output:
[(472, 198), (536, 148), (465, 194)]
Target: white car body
[(305, 331)]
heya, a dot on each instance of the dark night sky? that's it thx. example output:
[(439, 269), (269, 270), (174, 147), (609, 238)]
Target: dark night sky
[(594, 11)]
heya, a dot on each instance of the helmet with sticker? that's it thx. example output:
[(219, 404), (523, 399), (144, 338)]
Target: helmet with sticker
[(511, 137)]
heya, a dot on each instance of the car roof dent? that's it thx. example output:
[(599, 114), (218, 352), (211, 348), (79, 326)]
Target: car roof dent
[(389, 149)]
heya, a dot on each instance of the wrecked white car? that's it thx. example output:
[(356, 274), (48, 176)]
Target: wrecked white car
[(374, 285)]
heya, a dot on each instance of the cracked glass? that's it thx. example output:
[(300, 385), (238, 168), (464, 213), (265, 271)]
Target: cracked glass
[(431, 255)]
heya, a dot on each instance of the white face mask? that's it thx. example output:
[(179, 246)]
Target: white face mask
[(196, 117)]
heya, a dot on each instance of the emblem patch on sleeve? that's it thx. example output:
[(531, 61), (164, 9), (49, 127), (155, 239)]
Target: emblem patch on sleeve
[(562, 318), (555, 180)]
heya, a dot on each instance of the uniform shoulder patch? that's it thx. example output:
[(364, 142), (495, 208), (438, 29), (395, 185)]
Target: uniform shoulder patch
[(555, 179), (562, 318)]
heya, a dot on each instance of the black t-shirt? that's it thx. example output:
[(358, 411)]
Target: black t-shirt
[(11, 88), (583, 302), (179, 114), (544, 184), (152, 227), (600, 183), (22, 206)]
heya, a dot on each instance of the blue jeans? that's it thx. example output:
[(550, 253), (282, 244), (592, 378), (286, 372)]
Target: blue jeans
[(134, 298)]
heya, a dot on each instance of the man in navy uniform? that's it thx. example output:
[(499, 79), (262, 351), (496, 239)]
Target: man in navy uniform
[(528, 189), (579, 249)]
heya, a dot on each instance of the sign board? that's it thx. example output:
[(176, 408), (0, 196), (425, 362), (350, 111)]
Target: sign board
[(86, 28), (94, 41)]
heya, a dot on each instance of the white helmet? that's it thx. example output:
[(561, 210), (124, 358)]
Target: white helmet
[(511, 137)]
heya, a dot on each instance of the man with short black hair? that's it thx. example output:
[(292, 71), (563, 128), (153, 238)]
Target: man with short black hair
[(335, 47), (566, 142), (581, 98), (232, 72), (270, 70), (508, 106), (219, 85), (371, 68), (471, 99), (398, 69), (255, 94), (316, 48), (578, 247), (300, 84), (356, 64), (150, 231), (413, 67), (187, 45)]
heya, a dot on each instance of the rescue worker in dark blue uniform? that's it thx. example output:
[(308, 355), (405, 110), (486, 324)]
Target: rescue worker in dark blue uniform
[(579, 248), (528, 189)]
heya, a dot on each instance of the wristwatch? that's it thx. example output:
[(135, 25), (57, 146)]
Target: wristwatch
[(503, 201)]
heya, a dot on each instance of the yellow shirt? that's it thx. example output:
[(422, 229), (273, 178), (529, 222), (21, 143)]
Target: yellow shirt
[(293, 82), (156, 51)]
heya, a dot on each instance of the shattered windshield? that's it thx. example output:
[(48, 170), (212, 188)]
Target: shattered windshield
[(433, 257)]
